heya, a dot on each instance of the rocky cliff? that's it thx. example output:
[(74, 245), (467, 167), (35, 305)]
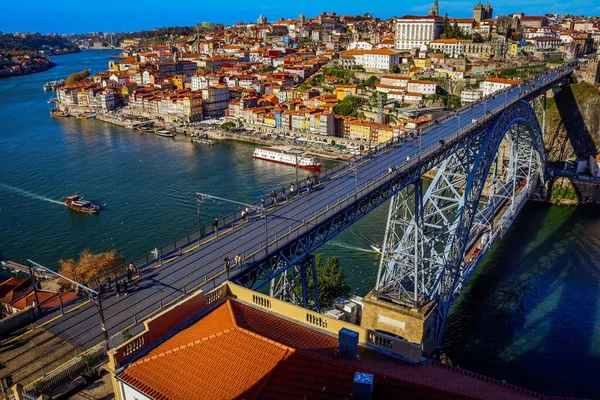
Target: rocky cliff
[(573, 122)]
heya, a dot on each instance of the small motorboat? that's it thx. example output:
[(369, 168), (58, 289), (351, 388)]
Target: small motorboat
[(165, 133), (56, 113), (375, 248), (76, 202)]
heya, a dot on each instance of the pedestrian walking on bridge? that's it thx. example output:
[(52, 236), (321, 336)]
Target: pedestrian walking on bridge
[(215, 225), (226, 262)]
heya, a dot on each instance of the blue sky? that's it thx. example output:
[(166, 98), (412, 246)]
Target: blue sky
[(63, 16)]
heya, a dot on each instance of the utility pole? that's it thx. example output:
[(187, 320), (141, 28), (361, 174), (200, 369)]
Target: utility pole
[(33, 282), (258, 209), (90, 292)]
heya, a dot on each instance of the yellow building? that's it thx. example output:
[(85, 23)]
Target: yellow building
[(359, 130), (422, 62), (342, 91), (269, 120), (514, 50)]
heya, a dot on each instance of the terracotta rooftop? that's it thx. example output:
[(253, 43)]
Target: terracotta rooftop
[(238, 351)]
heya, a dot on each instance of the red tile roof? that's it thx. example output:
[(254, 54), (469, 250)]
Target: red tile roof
[(237, 351)]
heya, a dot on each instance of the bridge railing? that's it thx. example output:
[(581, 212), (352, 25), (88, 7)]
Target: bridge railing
[(233, 219)]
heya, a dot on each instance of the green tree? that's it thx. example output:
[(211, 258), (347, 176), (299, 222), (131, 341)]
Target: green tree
[(457, 32), (227, 126), (446, 28), (396, 69), (267, 68), (348, 106), (331, 279), (370, 81), (477, 38)]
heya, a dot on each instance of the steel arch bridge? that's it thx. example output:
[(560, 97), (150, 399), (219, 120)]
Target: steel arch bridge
[(435, 238), (428, 252)]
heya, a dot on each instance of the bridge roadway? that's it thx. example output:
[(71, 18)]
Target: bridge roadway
[(202, 266)]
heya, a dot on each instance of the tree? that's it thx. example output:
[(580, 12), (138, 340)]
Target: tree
[(89, 266), (267, 68), (227, 126), (446, 28), (477, 38), (76, 77), (396, 69), (370, 81), (348, 106), (331, 279)]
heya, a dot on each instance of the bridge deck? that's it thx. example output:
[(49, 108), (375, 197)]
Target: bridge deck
[(202, 266)]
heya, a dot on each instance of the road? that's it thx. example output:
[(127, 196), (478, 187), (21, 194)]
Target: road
[(202, 266)]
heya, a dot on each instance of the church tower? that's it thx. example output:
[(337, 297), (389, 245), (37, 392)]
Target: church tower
[(478, 13), (435, 10)]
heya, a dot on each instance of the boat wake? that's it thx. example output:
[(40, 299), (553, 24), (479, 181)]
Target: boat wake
[(29, 194), (357, 248)]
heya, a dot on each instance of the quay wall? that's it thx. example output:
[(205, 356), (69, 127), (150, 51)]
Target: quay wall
[(568, 191)]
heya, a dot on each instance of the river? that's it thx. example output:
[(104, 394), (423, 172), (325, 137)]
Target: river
[(530, 315)]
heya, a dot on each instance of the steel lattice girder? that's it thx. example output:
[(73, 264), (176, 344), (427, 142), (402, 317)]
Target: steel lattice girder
[(424, 259)]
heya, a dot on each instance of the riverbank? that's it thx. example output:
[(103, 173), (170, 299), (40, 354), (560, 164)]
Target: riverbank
[(214, 132), (13, 69)]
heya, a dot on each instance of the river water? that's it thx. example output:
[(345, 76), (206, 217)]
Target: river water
[(530, 315)]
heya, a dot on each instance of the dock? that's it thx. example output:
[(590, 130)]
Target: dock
[(16, 268), (203, 139)]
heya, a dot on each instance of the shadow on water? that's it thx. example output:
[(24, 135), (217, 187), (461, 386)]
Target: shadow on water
[(529, 317)]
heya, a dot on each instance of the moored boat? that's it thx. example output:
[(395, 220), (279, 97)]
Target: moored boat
[(287, 157), (56, 113), (165, 133), (76, 202), (53, 85)]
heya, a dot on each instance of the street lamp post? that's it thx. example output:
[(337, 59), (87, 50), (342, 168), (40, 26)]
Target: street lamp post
[(297, 152), (258, 209), (90, 292), (37, 300)]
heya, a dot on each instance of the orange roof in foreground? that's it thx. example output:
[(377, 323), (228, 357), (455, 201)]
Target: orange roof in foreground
[(237, 351)]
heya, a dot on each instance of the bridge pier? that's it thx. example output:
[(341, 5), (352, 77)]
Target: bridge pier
[(397, 318)]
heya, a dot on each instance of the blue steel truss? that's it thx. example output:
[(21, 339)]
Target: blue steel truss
[(440, 269), (429, 234)]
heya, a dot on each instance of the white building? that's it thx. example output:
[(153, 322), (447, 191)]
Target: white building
[(544, 31), (361, 45), (453, 48), (493, 85), (545, 43), (382, 59), (394, 80), (470, 95), (423, 87), (414, 31)]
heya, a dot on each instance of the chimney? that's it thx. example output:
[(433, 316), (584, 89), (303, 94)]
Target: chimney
[(348, 343), (363, 386)]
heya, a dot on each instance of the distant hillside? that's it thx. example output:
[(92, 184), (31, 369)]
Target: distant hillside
[(573, 122), (34, 42)]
